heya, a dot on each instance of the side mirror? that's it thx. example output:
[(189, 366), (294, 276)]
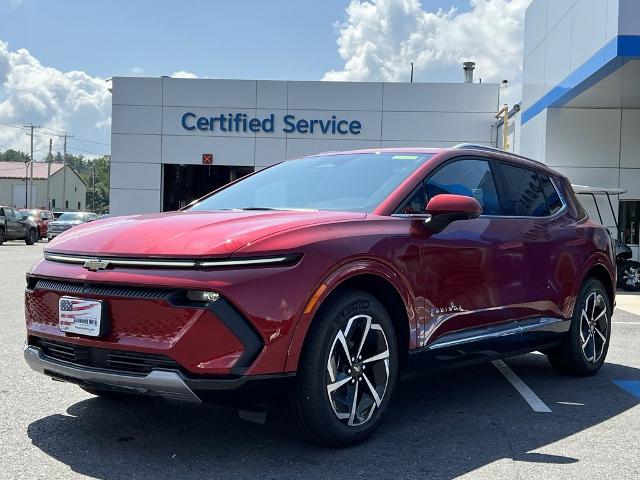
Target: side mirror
[(447, 208)]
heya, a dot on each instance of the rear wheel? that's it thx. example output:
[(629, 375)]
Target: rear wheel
[(1, 236), (347, 371), (629, 276), (585, 348), (32, 237)]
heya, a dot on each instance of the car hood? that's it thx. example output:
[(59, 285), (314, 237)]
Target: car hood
[(186, 234)]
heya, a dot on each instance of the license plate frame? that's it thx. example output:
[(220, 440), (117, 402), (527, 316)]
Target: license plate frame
[(81, 316)]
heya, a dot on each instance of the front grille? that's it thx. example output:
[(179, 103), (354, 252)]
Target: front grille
[(104, 358), (103, 290)]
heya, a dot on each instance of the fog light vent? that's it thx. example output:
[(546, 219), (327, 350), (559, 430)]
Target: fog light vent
[(202, 296)]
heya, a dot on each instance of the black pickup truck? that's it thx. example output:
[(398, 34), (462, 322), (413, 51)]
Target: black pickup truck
[(15, 226)]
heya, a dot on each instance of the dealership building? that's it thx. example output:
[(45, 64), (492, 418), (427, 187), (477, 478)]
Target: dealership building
[(176, 139)]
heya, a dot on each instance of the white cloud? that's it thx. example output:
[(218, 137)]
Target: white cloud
[(72, 101), (136, 71), (380, 39), (183, 74)]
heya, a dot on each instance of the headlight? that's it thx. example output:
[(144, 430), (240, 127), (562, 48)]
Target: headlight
[(202, 296)]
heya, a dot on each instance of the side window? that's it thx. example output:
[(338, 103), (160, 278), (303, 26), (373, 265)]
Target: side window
[(9, 213), (416, 202), (525, 191), (472, 178), (553, 197)]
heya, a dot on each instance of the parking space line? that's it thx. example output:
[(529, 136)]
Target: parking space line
[(631, 386), (523, 389), (627, 323)]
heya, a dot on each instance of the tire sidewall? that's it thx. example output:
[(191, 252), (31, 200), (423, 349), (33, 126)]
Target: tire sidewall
[(576, 351), (32, 237), (313, 373)]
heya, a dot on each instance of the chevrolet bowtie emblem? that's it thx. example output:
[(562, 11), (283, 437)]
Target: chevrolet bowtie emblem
[(96, 264)]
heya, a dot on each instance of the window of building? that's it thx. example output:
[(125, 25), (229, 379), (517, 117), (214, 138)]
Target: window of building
[(628, 218), (472, 178), (79, 206), (53, 203), (525, 192), (66, 204)]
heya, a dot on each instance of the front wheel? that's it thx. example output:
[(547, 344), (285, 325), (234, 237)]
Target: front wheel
[(583, 351), (347, 371), (1, 236), (629, 276), (32, 237)]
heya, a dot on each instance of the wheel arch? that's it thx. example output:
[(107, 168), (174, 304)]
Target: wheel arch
[(371, 277), (598, 269)]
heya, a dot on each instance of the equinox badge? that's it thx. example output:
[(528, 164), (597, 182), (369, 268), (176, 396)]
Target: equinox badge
[(96, 264)]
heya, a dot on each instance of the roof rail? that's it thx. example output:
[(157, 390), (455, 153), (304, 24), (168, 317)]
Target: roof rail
[(476, 146)]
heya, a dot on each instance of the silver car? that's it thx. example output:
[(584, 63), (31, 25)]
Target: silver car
[(68, 220)]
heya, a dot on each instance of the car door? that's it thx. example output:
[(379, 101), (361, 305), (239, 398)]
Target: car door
[(12, 223), (549, 235), (21, 224), (473, 268)]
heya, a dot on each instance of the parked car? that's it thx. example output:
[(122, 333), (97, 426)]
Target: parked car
[(321, 280), (68, 220), (628, 269), (41, 218), (15, 226)]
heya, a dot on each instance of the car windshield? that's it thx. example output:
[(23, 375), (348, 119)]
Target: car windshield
[(72, 217), (350, 182)]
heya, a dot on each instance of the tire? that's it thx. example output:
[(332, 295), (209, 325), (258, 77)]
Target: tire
[(107, 394), (629, 276), (1, 236), (325, 360), (32, 237), (571, 358)]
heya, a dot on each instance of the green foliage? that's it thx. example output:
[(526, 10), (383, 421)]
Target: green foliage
[(85, 168), (13, 156)]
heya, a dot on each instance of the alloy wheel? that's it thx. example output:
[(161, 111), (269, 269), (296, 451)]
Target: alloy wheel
[(594, 327), (631, 276), (358, 370)]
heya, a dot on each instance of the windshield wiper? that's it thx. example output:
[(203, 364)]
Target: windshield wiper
[(260, 208)]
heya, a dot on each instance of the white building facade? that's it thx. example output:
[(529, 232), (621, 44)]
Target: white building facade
[(175, 139), (67, 191), (580, 111)]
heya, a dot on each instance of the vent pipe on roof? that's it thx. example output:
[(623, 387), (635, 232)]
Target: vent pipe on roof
[(468, 68)]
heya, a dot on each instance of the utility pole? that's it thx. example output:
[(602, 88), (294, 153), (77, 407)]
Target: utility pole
[(411, 72), (49, 158), (93, 195), (31, 127), (64, 173)]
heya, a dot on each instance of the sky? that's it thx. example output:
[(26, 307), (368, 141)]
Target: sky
[(55, 57)]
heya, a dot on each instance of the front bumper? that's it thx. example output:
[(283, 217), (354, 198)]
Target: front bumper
[(168, 384)]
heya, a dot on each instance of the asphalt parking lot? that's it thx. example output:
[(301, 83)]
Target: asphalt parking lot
[(465, 423)]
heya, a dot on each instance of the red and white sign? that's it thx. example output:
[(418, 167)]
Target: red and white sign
[(207, 158), (78, 315)]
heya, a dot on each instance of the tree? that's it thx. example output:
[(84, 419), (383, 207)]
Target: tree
[(12, 155)]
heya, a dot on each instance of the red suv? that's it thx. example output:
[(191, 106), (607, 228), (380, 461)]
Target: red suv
[(326, 278)]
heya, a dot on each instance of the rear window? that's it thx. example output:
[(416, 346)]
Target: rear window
[(553, 197), (526, 197)]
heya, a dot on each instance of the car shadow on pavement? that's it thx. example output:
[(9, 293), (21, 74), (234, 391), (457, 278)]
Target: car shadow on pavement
[(438, 426)]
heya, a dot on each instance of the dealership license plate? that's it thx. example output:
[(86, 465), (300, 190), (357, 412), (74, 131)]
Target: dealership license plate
[(79, 315)]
